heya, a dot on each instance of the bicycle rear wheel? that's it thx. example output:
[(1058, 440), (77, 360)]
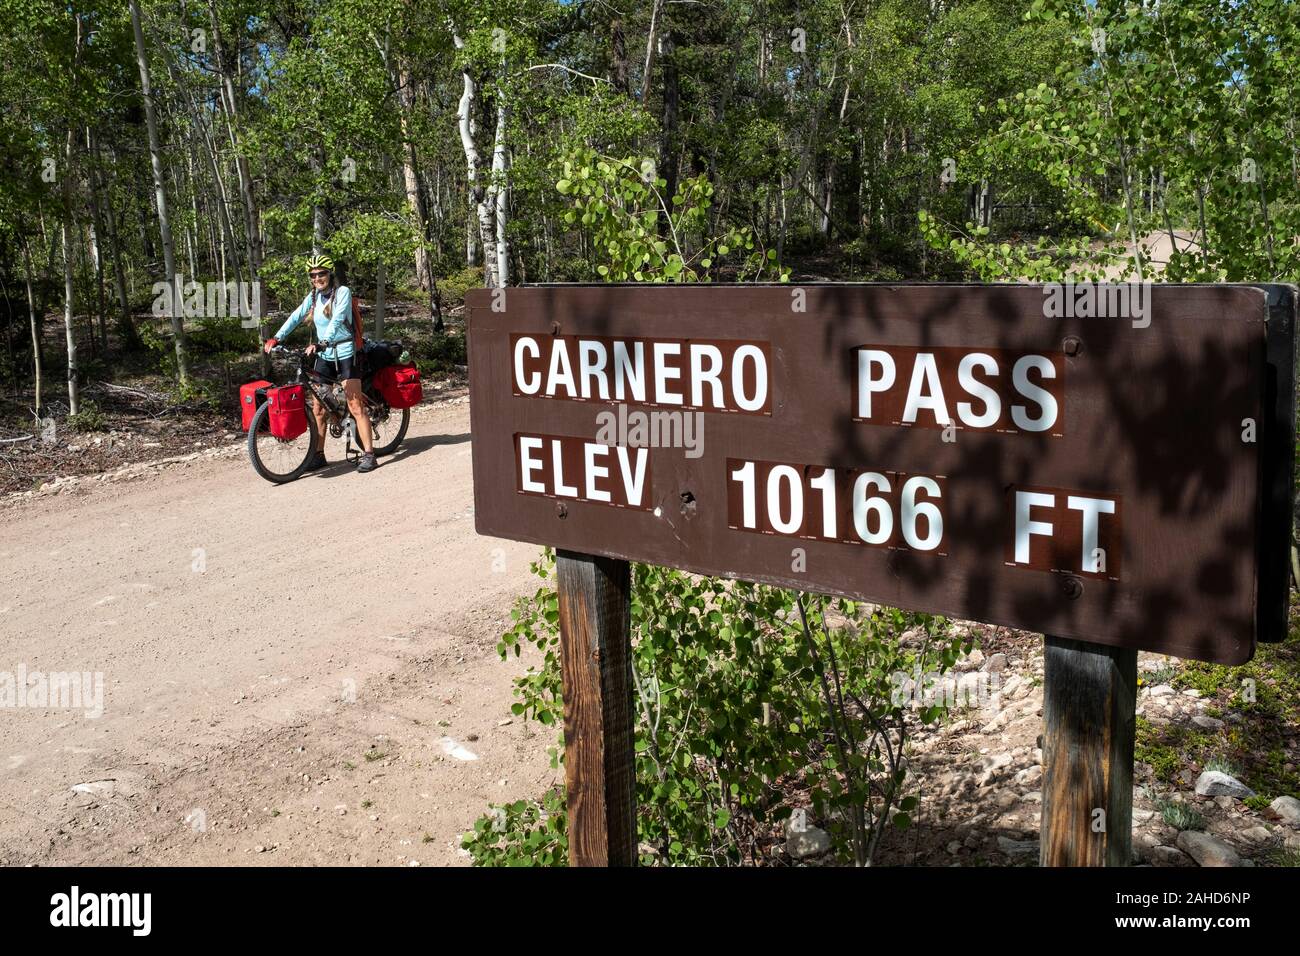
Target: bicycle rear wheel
[(275, 459), (391, 430)]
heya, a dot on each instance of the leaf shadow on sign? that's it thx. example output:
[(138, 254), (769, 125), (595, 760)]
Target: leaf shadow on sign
[(1150, 413), (1164, 425), (1178, 434)]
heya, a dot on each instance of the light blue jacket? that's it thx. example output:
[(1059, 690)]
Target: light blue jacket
[(335, 329)]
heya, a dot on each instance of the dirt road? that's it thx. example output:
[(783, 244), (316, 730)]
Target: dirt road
[(284, 668)]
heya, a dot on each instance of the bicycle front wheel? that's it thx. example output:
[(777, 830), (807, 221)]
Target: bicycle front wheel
[(273, 458)]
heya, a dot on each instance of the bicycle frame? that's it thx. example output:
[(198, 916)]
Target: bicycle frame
[(338, 417)]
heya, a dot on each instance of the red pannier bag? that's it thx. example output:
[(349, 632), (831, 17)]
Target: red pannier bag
[(400, 385), (250, 397), (288, 413)]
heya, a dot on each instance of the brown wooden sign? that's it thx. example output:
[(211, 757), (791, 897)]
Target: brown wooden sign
[(1108, 464)]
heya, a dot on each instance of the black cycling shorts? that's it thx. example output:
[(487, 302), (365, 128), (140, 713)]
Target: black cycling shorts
[(340, 370)]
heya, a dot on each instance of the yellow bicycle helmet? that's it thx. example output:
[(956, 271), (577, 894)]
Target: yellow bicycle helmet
[(320, 262)]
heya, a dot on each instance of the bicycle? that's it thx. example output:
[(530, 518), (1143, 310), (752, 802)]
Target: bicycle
[(280, 460)]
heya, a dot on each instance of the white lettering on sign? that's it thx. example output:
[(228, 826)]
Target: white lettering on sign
[(665, 355), (987, 389), (869, 382), (1025, 526), (977, 389), (1020, 378), (594, 471), (885, 509), (559, 466), (525, 348), (528, 464), (1091, 509), (591, 369), (925, 391), (714, 375), (1059, 530)]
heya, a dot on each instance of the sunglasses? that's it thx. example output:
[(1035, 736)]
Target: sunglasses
[(319, 275)]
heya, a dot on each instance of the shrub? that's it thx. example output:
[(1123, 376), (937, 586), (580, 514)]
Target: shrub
[(751, 702), (220, 338), (89, 418), (440, 353), (1285, 856), (284, 279), (195, 392), (523, 833), (454, 287), (1180, 816), (1223, 765)]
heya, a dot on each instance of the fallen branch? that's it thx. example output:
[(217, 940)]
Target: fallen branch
[(150, 396)]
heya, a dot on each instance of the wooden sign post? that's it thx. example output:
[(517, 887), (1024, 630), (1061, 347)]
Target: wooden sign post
[(1089, 723), (1107, 465), (596, 661)]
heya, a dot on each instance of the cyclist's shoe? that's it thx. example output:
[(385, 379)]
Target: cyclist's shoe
[(316, 461), (367, 462)]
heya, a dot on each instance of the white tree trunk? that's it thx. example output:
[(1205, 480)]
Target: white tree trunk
[(126, 330), (648, 71), (500, 167), (97, 246), (31, 313), (231, 109), (317, 229), (381, 279), (480, 196), (160, 195), (74, 403), (411, 181)]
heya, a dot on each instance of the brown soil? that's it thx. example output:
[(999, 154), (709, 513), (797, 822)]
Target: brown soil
[(289, 702)]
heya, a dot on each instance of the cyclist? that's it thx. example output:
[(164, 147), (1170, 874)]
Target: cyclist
[(330, 307)]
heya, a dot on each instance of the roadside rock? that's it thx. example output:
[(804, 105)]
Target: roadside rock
[(1206, 850), (1029, 777), (1018, 847), (1167, 856), (1215, 783), (809, 842), (998, 722), (989, 766), (1257, 834), (1288, 808)]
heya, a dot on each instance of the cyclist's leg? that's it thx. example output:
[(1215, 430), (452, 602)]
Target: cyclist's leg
[(357, 405), (318, 411), (318, 408)]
